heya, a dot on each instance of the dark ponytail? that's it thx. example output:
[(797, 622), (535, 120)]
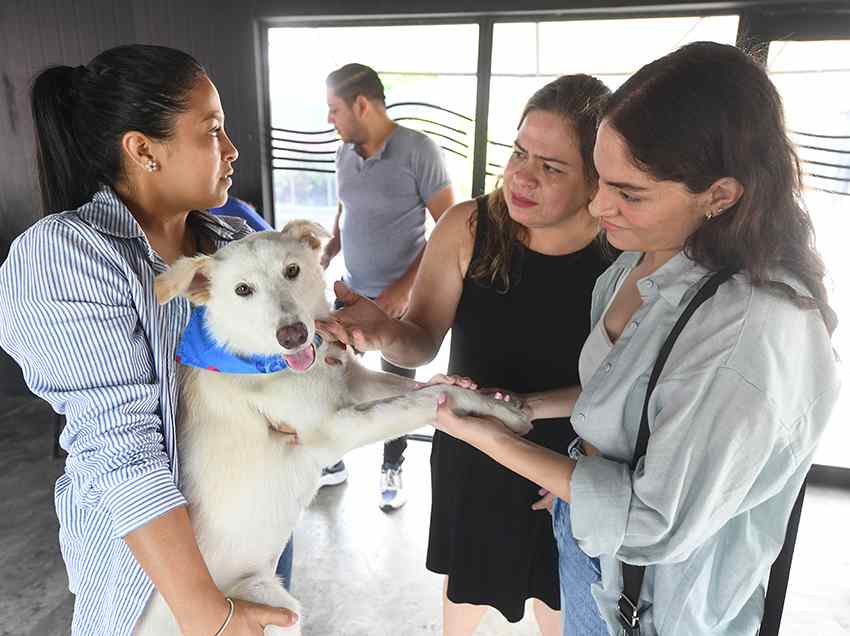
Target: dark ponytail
[(82, 113)]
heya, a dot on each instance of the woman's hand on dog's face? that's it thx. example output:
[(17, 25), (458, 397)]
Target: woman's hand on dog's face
[(250, 619), (361, 323)]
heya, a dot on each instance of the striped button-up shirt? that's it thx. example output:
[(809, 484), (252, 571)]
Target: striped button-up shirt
[(78, 313), (734, 421)]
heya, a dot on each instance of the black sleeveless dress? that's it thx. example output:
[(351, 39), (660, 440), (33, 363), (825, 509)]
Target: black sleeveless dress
[(484, 535)]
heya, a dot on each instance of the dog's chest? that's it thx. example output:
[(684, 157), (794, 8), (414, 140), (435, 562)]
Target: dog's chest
[(301, 402)]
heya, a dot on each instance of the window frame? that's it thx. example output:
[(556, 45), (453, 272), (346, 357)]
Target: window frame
[(485, 22), (757, 27)]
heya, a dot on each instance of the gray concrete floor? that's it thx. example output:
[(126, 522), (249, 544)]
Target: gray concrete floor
[(358, 571)]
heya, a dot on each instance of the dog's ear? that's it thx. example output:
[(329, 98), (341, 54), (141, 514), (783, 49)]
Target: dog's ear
[(310, 233), (189, 277)]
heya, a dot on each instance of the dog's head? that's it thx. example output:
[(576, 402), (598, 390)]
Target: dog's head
[(262, 293)]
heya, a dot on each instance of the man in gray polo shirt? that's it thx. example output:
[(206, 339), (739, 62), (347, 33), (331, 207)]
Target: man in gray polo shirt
[(387, 176)]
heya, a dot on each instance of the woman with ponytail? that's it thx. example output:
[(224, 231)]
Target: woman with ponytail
[(690, 464), (130, 147)]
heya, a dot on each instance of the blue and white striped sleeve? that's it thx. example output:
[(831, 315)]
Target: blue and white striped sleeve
[(66, 316)]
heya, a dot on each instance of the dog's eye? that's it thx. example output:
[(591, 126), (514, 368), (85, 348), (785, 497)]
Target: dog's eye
[(243, 290), (291, 271)]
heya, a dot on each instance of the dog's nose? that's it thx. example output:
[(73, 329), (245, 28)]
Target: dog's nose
[(292, 336)]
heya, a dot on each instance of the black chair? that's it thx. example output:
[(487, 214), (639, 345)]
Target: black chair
[(780, 571)]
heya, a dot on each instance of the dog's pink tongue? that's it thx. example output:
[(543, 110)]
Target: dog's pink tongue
[(302, 360)]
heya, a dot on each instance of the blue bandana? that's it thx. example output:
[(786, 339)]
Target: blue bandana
[(198, 349)]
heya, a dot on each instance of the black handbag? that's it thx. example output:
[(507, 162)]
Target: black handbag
[(627, 606)]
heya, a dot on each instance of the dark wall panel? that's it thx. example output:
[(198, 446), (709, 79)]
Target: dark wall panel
[(38, 33)]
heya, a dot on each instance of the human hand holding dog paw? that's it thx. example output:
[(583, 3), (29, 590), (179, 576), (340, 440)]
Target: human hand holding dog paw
[(516, 399), (476, 430)]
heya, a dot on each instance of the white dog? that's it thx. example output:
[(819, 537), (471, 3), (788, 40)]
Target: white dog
[(252, 446)]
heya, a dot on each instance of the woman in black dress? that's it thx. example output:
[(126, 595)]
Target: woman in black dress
[(511, 274)]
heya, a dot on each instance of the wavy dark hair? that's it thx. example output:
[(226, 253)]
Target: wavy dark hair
[(708, 111), (81, 113), (579, 100)]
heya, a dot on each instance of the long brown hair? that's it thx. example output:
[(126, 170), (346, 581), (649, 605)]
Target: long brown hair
[(708, 111), (579, 100)]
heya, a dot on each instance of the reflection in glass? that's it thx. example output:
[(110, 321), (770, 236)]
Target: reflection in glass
[(812, 78), (527, 55), (412, 68)]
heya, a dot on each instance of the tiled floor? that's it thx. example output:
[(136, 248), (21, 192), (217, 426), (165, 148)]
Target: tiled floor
[(358, 571)]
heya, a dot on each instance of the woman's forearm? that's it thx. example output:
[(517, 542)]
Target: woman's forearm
[(409, 345), (554, 403), (536, 463), (168, 553)]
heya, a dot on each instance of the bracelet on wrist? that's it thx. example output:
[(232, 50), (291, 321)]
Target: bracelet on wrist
[(231, 608)]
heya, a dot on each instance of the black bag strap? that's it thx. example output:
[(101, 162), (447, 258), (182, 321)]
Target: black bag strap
[(780, 571), (633, 574)]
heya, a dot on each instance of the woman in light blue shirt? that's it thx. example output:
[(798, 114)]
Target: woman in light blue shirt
[(696, 174), (129, 147)]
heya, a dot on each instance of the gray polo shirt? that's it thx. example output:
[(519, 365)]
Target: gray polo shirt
[(382, 227)]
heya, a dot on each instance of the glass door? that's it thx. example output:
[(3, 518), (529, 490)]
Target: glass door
[(813, 79), (429, 74), (527, 55)]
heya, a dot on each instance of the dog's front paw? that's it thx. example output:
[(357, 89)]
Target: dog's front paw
[(514, 418), (474, 403)]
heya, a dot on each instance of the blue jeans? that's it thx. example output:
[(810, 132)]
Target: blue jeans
[(284, 564), (577, 572)]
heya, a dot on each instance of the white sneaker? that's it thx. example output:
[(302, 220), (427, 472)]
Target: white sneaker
[(392, 492), (333, 475)]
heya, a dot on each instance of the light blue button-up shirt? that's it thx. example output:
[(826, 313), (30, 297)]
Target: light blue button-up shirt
[(78, 313), (734, 419)]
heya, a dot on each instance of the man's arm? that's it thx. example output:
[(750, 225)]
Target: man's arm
[(333, 246), (440, 201), (395, 298)]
